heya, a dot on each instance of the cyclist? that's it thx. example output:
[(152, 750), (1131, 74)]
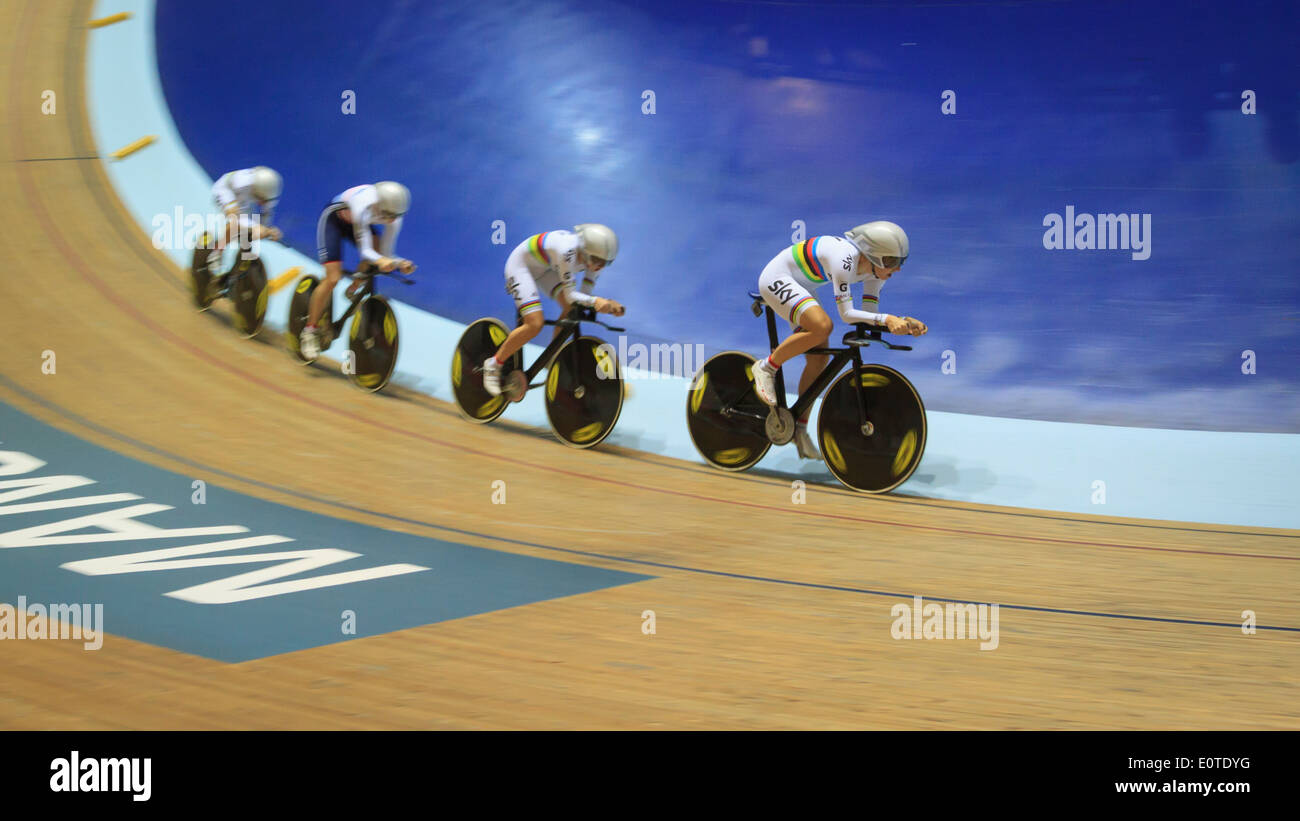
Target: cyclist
[(237, 194), (549, 261), (366, 216), (870, 253)]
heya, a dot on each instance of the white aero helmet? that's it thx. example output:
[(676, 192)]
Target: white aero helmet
[(266, 183), (883, 243), (394, 198), (598, 241)]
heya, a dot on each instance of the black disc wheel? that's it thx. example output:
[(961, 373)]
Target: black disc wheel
[(200, 276), (724, 415), (249, 292), (883, 458), (373, 343), (584, 392), (480, 340), (298, 307)]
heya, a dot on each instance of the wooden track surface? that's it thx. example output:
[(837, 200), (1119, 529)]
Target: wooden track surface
[(761, 618)]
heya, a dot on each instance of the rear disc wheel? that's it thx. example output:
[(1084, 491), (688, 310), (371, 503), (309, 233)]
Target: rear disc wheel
[(298, 308), (249, 294), (480, 340), (726, 419)]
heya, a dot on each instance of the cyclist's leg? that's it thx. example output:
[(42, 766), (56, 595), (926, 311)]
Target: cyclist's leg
[(791, 301), (246, 235), (812, 327), (795, 304), (528, 303), (565, 307), (232, 229), (320, 298), (528, 306), (331, 231), (814, 364), (220, 237), (530, 326)]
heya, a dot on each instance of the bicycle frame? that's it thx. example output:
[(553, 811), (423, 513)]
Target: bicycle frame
[(860, 337), (234, 273), (367, 289), (572, 330)]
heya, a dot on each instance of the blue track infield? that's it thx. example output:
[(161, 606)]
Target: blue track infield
[(221, 601)]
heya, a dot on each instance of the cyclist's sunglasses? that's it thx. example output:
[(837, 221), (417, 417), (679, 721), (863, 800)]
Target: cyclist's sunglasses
[(893, 262)]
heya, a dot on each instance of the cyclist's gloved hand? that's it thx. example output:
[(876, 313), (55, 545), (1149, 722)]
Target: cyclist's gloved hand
[(897, 324), (915, 326)]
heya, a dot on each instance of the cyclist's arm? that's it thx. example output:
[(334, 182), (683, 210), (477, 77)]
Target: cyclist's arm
[(569, 294), (566, 266), (388, 242), (844, 302), (224, 194), (361, 233), (871, 295), (360, 201)]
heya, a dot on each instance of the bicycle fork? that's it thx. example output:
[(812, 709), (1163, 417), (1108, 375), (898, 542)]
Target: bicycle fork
[(579, 390), (864, 425)]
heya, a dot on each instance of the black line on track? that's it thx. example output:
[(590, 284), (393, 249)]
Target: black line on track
[(79, 420), (55, 159)]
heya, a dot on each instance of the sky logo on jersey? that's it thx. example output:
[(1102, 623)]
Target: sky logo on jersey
[(236, 577), (805, 255)]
